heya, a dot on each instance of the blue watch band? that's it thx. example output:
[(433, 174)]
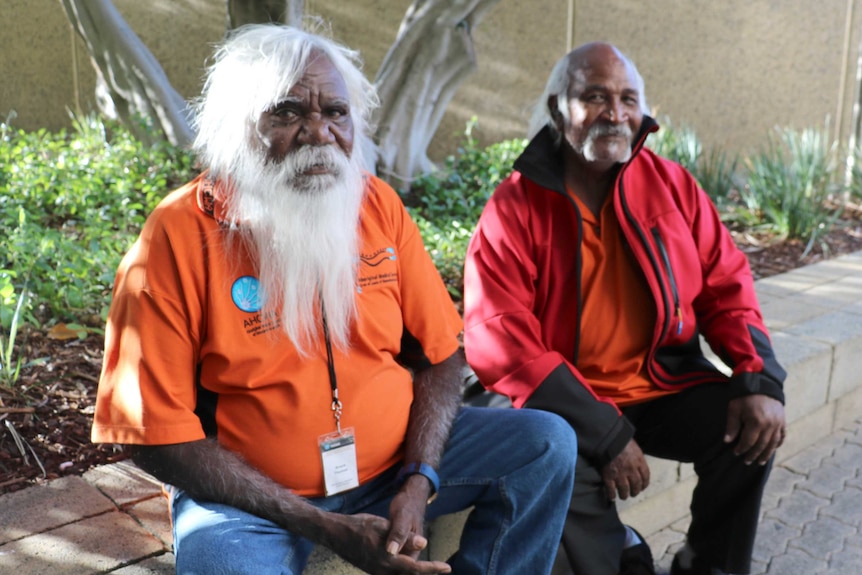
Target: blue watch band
[(421, 469)]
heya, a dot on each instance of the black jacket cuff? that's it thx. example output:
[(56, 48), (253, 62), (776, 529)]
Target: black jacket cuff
[(755, 384), (602, 430)]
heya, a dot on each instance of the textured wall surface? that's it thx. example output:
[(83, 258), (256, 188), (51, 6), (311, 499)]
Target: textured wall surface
[(733, 70)]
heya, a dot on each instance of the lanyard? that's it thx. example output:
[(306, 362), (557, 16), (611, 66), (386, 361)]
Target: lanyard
[(337, 406)]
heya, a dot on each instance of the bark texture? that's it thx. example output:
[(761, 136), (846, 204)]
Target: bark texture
[(130, 82), (432, 55)]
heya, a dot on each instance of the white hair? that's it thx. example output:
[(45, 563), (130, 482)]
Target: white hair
[(252, 71), (302, 230), (558, 85)]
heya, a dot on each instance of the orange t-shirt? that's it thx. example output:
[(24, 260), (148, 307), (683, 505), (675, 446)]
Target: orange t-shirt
[(188, 355), (618, 314)]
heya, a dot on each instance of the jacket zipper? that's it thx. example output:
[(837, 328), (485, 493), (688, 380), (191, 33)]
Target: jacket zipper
[(673, 287)]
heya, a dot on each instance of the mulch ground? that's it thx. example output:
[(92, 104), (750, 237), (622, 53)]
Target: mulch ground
[(45, 419)]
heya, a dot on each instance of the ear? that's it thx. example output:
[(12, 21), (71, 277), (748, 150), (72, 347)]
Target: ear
[(554, 109)]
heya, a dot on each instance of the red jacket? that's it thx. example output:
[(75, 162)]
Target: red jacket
[(522, 284)]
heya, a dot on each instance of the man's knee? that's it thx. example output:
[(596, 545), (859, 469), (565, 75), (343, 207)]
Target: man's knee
[(547, 433), (214, 538)]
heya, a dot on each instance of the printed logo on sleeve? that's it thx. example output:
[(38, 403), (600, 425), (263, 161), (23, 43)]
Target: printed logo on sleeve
[(377, 268)]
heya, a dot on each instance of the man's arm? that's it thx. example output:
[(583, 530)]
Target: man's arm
[(730, 318), (207, 471), (436, 399)]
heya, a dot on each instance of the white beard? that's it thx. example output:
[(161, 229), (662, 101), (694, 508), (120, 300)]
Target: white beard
[(304, 231)]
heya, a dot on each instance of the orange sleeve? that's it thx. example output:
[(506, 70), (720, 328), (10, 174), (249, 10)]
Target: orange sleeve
[(429, 315), (146, 394)]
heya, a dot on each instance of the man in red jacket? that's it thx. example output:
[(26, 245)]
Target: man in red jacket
[(595, 268)]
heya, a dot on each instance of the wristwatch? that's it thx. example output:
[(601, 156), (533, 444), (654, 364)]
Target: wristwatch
[(421, 469)]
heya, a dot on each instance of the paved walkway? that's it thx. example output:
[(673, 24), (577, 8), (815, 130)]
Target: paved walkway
[(811, 514)]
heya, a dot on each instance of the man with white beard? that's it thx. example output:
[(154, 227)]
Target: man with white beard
[(282, 353), (594, 269)]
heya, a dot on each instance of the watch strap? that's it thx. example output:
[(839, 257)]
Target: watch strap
[(421, 469)]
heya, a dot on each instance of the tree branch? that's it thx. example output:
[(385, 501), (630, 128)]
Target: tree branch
[(132, 84), (432, 55)]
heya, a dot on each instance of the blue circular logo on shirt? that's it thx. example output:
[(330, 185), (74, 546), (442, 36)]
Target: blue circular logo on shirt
[(245, 293)]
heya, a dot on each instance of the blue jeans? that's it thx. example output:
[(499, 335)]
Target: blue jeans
[(514, 466)]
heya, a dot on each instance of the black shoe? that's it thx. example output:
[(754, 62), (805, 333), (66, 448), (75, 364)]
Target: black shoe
[(697, 568), (637, 559)]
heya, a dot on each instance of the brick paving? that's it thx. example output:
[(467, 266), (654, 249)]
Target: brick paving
[(811, 517)]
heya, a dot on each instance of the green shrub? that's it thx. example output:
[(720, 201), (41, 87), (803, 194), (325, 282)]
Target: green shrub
[(677, 143), (71, 204), (447, 203), (715, 171), (854, 189), (792, 185)]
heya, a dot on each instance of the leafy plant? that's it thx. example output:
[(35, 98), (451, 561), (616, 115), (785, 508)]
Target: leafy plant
[(71, 205), (447, 203), (677, 143), (10, 365), (792, 184), (854, 188), (716, 174), (715, 170)]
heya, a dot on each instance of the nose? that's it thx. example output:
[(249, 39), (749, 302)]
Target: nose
[(315, 131), (615, 111)]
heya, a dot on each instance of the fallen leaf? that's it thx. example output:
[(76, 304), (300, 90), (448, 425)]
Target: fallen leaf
[(62, 332)]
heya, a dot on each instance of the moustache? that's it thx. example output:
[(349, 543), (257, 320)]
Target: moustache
[(309, 158), (621, 130)]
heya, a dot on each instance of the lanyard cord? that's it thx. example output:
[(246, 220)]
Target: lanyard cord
[(330, 362)]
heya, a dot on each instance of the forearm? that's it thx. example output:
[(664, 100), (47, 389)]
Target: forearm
[(436, 400), (207, 471), (603, 431)]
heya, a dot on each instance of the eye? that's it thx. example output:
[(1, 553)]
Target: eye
[(286, 112), (337, 112)]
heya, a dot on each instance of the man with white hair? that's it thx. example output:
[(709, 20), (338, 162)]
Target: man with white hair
[(594, 269), (282, 353)]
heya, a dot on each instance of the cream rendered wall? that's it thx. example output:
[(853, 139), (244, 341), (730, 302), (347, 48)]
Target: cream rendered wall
[(731, 69), (735, 69), (41, 54)]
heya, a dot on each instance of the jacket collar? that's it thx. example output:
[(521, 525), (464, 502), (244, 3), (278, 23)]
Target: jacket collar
[(542, 160)]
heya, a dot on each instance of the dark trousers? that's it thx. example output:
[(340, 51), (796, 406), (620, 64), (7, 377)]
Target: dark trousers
[(688, 426)]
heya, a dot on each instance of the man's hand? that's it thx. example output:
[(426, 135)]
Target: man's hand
[(362, 541), (756, 423), (627, 473), (407, 517)]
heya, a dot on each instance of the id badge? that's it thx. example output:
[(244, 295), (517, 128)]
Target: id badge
[(338, 453)]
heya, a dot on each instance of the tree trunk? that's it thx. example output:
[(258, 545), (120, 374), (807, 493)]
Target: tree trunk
[(241, 12), (432, 55), (130, 82)]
